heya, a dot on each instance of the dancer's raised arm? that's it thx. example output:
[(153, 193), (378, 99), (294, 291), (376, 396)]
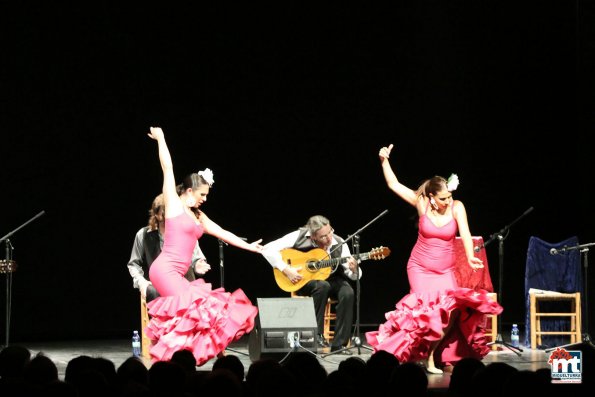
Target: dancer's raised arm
[(392, 181), (171, 200)]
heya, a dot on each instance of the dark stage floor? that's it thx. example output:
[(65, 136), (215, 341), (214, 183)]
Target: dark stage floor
[(118, 350)]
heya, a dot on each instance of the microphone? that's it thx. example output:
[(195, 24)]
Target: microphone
[(553, 251)]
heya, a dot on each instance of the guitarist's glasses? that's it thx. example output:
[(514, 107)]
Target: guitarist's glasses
[(329, 235)]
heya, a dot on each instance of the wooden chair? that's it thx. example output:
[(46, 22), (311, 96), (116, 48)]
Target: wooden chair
[(492, 323), (573, 313), (329, 317), (144, 321)]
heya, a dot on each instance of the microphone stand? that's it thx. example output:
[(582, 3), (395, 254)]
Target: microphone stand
[(584, 249), (221, 268), (222, 279), (10, 267), (356, 332), (501, 236)]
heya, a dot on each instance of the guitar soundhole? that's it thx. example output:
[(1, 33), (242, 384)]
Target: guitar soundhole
[(312, 266)]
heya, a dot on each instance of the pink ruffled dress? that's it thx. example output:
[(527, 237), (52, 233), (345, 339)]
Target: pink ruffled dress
[(191, 315), (420, 317)]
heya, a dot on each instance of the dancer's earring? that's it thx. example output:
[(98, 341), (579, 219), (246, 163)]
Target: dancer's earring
[(190, 201), (433, 203)]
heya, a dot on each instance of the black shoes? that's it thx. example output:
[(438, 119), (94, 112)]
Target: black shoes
[(322, 342), (340, 350)]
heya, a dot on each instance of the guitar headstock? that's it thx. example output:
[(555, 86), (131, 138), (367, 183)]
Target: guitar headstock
[(379, 253)]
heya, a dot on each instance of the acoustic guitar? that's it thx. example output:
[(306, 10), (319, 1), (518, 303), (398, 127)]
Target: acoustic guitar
[(316, 265)]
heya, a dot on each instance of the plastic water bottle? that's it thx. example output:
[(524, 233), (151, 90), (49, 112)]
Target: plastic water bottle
[(136, 349), (514, 336)]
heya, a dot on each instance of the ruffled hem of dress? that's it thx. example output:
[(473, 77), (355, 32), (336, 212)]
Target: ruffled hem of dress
[(201, 320), (419, 320)]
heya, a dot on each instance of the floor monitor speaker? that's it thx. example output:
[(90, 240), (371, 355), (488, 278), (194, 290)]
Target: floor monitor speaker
[(281, 324)]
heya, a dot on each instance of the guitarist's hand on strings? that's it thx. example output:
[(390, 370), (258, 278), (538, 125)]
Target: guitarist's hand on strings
[(352, 264), (292, 273)]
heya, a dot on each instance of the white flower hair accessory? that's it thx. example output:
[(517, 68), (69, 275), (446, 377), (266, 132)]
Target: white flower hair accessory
[(207, 175), (453, 182)]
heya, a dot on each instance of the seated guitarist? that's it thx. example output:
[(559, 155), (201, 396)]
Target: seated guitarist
[(318, 234)]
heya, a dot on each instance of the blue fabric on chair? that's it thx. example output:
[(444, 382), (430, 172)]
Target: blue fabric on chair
[(561, 273)]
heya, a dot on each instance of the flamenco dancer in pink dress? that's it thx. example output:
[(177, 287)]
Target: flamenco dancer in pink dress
[(437, 321), (191, 315)]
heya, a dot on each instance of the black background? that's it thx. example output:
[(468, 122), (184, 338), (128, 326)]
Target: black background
[(288, 105)]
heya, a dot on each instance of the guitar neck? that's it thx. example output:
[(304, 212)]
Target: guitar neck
[(337, 261)]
